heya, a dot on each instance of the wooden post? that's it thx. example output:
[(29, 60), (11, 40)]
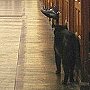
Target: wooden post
[(85, 32)]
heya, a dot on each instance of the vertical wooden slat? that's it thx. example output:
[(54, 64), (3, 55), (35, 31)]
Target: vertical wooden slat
[(85, 27), (71, 15), (57, 4), (63, 12)]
